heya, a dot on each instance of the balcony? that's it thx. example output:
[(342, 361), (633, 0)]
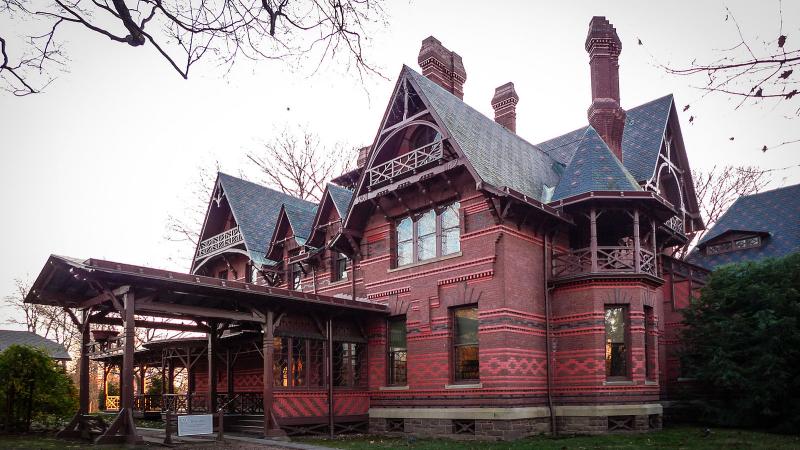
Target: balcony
[(607, 260), (220, 242), (408, 162), (675, 223)]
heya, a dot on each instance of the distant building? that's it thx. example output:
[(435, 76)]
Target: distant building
[(758, 226), (54, 349)]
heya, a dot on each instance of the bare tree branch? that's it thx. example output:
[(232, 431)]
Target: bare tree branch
[(184, 33)]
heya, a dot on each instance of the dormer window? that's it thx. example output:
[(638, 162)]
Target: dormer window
[(733, 245)]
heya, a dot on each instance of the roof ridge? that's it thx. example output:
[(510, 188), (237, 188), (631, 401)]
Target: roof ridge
[(263, 187), (488, 119)]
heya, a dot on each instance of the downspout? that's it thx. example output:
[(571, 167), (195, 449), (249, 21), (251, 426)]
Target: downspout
[(548, 335)]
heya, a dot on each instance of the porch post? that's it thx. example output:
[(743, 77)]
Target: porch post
[(105, 385), (329, 372), (637, 246), (170, 381), (593, 237), (126, 406), (655, 246), (212, 368), (229, 373), (84, 369), (271, 429)]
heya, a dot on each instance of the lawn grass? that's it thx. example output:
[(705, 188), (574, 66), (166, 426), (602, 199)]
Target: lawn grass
[(684, 437)]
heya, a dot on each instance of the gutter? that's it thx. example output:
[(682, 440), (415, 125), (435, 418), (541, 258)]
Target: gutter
[(548, 334)]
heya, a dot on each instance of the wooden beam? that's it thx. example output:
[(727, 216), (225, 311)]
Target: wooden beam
[(197, 311), (212, 367), (155, 325)]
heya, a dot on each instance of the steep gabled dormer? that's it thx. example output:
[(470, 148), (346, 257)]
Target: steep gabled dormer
[(240, 219), (287, 245)]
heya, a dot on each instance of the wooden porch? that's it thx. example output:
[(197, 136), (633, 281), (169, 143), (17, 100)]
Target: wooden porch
[(96, 291)]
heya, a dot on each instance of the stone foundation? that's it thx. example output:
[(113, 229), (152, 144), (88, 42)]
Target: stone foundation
[(511, 423)]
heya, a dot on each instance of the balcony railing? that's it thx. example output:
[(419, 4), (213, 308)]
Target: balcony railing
[(675, 223), (608, 260), (220, 242), (413, 160)]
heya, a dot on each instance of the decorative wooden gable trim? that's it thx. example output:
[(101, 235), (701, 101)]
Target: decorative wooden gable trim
[(229, 240)]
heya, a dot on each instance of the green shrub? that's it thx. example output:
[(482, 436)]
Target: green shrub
[(33, 388), (742, 344)]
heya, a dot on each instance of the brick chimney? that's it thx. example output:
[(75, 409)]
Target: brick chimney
[(504, 103), (605, 114), (442, 66)]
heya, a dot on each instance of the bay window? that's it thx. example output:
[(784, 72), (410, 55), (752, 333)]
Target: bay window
[(428, 235)]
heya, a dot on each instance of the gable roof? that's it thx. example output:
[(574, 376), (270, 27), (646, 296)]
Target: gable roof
[(522, 167), (301, 219), (255, 209), (641, 140), (12, 337), (341, 198), (593, 168), (772, 212)]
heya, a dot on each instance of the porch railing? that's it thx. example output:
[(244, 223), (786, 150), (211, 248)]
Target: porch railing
[(240, 403), (675, 223), (609, 260), (149, 402), (412, 160), (112, 402), (220, 242)]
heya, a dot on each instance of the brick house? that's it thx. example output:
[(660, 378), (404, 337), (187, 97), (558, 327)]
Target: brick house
[(515, 288)]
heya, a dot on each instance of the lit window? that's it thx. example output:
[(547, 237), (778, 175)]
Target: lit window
[(616, 342), (432, 234), (465, 343), (297, 362), (397, 351)]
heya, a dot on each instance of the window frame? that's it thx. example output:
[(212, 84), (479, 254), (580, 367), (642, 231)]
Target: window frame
[(390, 353), (455, 379), (336, 273), (649, 344), (308, 351), (626, 315), (352, 361), (415, 235)]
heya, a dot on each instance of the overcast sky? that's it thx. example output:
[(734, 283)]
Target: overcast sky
[(93, 166)]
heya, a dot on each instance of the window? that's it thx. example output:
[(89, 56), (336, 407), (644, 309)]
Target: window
[(397, 351), (433, 233), (405, 242), (297, 362), (465, 343), (222, 275), (649, 356), (616, 342), (339, 267), (347, 359), (295, 276), (738, 244)]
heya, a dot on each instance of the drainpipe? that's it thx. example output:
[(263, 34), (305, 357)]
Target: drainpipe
[(548, 336)]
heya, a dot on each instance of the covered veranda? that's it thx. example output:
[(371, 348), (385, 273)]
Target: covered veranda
[(109, 293)]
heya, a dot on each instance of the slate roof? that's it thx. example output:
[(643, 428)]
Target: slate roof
[(776, 212), (593, 168), (256, 210), (301, 218), (641, 140), (11, 337), (341, 198), (522, 167)]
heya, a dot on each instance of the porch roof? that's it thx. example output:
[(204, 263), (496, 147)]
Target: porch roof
[(74, 283)]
